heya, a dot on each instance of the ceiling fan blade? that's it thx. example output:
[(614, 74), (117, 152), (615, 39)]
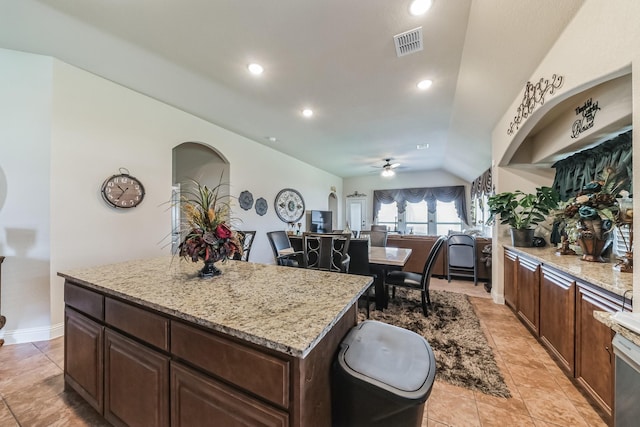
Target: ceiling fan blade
[(394, 165)]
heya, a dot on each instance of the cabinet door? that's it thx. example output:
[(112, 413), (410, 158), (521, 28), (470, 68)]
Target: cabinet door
[(136, 383), (199, 401), (594, 353), (529, 293), (83, 357), (510, 280), (557, 316)]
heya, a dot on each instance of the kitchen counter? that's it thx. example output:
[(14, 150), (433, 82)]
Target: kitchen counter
[(600, 274), (282, 308)]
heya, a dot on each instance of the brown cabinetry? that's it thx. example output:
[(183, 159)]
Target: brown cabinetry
[(136, 383), (528, 305), (510, 279), (557, 316), (83, 357), (594, 354)]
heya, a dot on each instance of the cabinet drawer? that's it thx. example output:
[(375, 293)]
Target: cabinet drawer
[(84, 300), (259, 373), (197, 400), (147, 326)]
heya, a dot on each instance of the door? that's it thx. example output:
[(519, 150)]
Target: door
[(357, 213)]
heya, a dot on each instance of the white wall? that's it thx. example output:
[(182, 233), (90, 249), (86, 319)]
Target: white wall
[(25, 122), (600, 43), (367, 184), (67, 132)]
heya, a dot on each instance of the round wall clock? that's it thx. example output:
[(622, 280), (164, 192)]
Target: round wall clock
[(289, 205), (122, 191)]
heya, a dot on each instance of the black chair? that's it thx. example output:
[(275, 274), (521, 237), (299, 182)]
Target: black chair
[(461, 255), (359, 264), (407, 279), (327, 251), (246, 239), (280, 241)]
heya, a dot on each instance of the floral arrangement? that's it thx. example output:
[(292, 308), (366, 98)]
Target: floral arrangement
[(593, 212), (207, 235)]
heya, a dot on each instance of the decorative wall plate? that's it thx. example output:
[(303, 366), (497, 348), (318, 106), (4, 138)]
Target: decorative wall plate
[(289, 205), (261, 206), (246, 200)]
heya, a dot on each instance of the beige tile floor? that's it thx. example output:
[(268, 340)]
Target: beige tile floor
[(32, 390)]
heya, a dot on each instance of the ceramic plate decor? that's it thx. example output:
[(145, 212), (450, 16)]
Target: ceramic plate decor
[(261, 206), (246, 200)]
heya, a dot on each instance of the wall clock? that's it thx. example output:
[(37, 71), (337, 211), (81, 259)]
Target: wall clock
[(289, 205), (122, 190)]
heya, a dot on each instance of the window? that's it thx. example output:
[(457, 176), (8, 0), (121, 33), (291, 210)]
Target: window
[(417, 218), (388, 215), (446, 218)]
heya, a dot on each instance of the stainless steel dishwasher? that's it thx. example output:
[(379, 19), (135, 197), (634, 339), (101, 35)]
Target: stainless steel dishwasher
[(627, 386)]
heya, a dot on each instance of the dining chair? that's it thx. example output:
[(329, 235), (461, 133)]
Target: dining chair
[(280, 241), (461, 256), (359, 264), (376, 227), (410, 280), (246, 239), (327, 251), (377, 237)]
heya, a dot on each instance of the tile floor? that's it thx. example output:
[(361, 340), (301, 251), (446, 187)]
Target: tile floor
[(32, 390)]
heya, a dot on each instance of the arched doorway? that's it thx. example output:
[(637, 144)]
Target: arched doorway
[(194, 161)]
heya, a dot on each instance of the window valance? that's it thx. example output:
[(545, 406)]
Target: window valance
[(482, 185), (575, 171), (455, 193)]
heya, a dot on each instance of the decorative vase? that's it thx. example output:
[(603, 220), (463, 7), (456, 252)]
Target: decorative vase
[(592, 247), (209, 270), (522, 237)]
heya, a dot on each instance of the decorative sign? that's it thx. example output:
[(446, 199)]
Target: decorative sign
[(534, 95), (587, 114), (356, 194)]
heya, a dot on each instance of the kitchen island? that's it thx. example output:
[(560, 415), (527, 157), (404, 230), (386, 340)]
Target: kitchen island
[(148, 342)]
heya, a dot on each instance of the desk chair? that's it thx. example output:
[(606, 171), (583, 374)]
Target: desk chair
[(327, 251), (407, 279), (461, 255), (279, 241)]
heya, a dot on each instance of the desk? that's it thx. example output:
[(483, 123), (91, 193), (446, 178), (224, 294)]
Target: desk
[(383, 259)]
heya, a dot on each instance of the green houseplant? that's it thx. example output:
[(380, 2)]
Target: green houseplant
[(523, 211)]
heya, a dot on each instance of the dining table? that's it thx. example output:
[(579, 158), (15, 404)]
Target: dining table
[(381, 261)]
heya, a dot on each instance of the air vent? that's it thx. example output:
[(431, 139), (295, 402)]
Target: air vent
[(408, 42)]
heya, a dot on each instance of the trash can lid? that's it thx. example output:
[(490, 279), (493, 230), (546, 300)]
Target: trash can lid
[(390, 357)]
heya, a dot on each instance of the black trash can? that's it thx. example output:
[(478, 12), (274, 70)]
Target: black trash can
[(382, 376)]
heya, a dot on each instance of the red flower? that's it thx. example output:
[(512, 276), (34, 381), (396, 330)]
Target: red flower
[(222, 231)]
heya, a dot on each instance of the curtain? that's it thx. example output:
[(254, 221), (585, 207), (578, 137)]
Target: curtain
[(575, 171), (431, 195), (482, 185)]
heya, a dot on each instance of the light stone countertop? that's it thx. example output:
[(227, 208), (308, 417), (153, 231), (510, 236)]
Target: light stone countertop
[(282, 308), (605, 317), (602, 274)]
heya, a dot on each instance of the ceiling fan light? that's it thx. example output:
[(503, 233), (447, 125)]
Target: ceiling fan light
[(387, 172)]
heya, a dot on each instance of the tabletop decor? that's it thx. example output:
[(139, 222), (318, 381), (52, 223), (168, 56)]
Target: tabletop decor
[(592, 214), (207, 235)]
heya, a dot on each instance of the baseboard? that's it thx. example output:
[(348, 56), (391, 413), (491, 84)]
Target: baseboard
[(43, 333)]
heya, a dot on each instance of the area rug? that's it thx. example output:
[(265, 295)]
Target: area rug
[(463, 355)]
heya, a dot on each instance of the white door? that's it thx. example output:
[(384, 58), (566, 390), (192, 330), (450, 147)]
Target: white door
[(357, 213)]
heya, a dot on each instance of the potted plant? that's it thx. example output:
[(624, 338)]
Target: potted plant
[(522, 211)]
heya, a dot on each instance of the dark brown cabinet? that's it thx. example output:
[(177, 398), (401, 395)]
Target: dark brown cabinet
[(136, 383), (557, 316), (510, 279), (594, 354), (83, 366), (528, 292), (197, 400)]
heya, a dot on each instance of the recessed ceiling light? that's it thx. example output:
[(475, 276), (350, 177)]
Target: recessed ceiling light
[(424, 84), (272, 138), (420, 7), (307, 112), (422, 146), (255, 69)]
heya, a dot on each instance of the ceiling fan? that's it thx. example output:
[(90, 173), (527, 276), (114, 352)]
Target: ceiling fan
[(388, 168)]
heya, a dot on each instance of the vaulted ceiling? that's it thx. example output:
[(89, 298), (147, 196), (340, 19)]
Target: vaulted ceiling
[(336, 57)]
